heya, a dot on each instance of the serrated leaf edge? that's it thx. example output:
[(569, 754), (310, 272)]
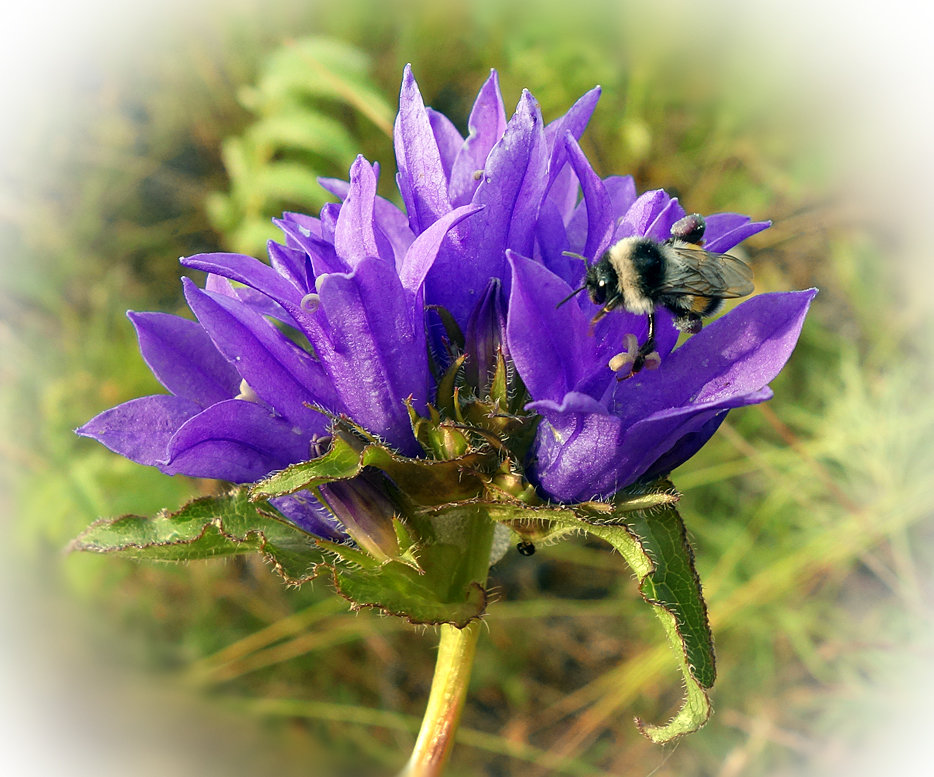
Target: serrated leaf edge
[(76, 545)]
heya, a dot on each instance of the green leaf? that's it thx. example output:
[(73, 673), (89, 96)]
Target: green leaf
[(303, 130), (307, 106), (209, 527), (319, 68), (658, 551), (424, 481), (648, 532)]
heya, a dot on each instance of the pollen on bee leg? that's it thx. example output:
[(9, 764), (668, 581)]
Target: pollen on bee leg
[(626, 359), (622, 361), (633, 359)]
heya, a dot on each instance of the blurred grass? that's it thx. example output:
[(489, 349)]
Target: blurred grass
[(811, 515)]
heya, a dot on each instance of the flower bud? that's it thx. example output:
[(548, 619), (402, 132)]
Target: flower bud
[(365, 512), (486, 339)]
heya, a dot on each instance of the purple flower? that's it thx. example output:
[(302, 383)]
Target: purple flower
[(344, 320), (333, 323), (599, 434)]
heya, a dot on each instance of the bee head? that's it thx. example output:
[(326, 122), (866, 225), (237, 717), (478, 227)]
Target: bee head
[(601, 281)]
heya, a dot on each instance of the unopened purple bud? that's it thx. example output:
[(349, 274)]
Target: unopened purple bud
[(486, 338), (365, 512)]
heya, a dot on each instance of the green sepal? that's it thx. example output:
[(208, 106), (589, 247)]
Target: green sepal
[(445, 395), (397, 588), (423, 481), (451, 327), (209, 527), (439, 439), (499, 387), (648, 532)]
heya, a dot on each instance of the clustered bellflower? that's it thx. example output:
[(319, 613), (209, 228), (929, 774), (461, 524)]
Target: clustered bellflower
[(488, 222), (433, 332)]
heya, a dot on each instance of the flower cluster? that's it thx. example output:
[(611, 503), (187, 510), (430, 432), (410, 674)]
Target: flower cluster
[(361, 312)]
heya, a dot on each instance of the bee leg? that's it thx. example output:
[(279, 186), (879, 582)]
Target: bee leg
[(647, 356)]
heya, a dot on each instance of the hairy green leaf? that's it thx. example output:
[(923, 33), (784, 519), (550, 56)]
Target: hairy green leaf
[(648, 532), (208, 527)]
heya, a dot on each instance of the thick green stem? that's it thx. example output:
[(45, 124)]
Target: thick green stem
[(472, 529), (446, 700)]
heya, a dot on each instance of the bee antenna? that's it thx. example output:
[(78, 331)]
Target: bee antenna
[(572, 294), (575, 256)]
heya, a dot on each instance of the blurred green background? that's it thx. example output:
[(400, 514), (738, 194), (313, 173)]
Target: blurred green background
[(175, 130)]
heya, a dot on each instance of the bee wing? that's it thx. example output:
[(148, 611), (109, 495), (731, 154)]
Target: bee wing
[(707, 274)]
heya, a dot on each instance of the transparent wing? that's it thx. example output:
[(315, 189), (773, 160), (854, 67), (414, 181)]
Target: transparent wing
[(707, 274)]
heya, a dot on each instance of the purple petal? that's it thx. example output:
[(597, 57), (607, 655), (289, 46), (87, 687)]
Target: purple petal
[(725, 230), (689, 444), (574, 122), (329, 214), (735, 355), (485, 337), (447, 137), (282, 375), (424, 250), (422, 182), (389, 219), (515, 171), (573, 450), (320, 252), (583, 455), (660, 417), (660, 228), (600, 220), (563, 193), (309, 225), (183, 358), (354, 237), (550, 348), (255, 300), (378, 357), (511, 192), (249, 271), (486, 126), (255, 274), (551, 240), (237, 441), (306, 512), (644, 212), (292, 264), (141, 429), (622, 191)]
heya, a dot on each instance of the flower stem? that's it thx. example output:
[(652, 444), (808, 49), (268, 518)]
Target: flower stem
[(448, 691)]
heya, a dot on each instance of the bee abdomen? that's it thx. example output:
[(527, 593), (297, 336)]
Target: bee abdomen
[(705, 306)]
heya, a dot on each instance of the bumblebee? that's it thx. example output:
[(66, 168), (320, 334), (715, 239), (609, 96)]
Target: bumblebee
[(639, 274)]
